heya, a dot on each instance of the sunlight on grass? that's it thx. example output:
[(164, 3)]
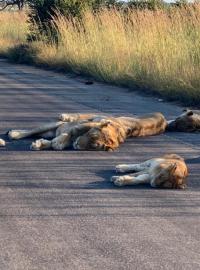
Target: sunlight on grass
[(13, 30), (156, 51)]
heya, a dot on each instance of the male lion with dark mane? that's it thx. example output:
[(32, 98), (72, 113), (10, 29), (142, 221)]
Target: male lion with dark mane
[(92, 132), (169, 171)]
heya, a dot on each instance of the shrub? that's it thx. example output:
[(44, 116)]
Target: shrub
[(22, 54), (146, 4), (42, 11)]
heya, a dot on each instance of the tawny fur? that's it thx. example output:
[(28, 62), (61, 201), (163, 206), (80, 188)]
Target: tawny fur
[(92, 132), (169, 171), (2, 143)]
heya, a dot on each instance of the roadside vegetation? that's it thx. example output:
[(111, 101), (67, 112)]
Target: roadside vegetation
[(153, 49), (13, 30)]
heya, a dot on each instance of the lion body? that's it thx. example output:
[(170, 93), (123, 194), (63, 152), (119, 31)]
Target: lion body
[(118, 129), (92, 132)]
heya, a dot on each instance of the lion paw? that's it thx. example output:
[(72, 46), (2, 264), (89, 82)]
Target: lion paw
[(15, 134), (113, 178), (40, 145), (68, 117), (118, 181), (121, 168), (2, 143)]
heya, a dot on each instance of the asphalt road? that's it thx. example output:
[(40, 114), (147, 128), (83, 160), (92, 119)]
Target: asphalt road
[(58, 209)]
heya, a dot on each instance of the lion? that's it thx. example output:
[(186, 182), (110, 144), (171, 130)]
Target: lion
[(189, 121), (169, 171), (92, 132)]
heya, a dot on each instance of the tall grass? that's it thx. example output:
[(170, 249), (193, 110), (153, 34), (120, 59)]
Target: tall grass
[(13, 30), (156, 51)]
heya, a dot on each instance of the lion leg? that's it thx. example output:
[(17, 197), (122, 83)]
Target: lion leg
[(20, 134), (123, 168), (58, 143), (49, 135), (82, 128), (89, 125), (17, 134), (74, 117), (131, 179), (62, 141)]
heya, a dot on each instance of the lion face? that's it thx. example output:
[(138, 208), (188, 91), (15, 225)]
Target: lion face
[(187, 122), (97, 139), (171, 177)]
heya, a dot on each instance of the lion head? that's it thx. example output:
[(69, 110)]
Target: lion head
[(189, 121), (172, 176), (107, 138)]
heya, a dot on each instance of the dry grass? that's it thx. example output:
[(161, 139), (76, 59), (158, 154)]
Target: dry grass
[(13, 30), (156, 51)]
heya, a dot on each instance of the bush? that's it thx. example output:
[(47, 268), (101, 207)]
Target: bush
[(42, 11), (146, 4), (22, 54)]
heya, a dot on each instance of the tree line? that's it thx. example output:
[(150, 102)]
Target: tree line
[(75, 7), (42, 11)]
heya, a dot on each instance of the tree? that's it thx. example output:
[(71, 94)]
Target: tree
[(146, 4), (42, 11)]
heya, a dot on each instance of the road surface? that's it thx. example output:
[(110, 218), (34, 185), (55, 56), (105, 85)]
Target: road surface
[(58, 209)]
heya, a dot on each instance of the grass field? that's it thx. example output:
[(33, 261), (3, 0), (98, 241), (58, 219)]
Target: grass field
[(13, 30), (152, 51)]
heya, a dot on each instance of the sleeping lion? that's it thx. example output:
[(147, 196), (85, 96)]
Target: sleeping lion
[(91, 132), (169, 171), (188, 121)]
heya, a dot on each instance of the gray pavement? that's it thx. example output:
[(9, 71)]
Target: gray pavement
[(58, 209)]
